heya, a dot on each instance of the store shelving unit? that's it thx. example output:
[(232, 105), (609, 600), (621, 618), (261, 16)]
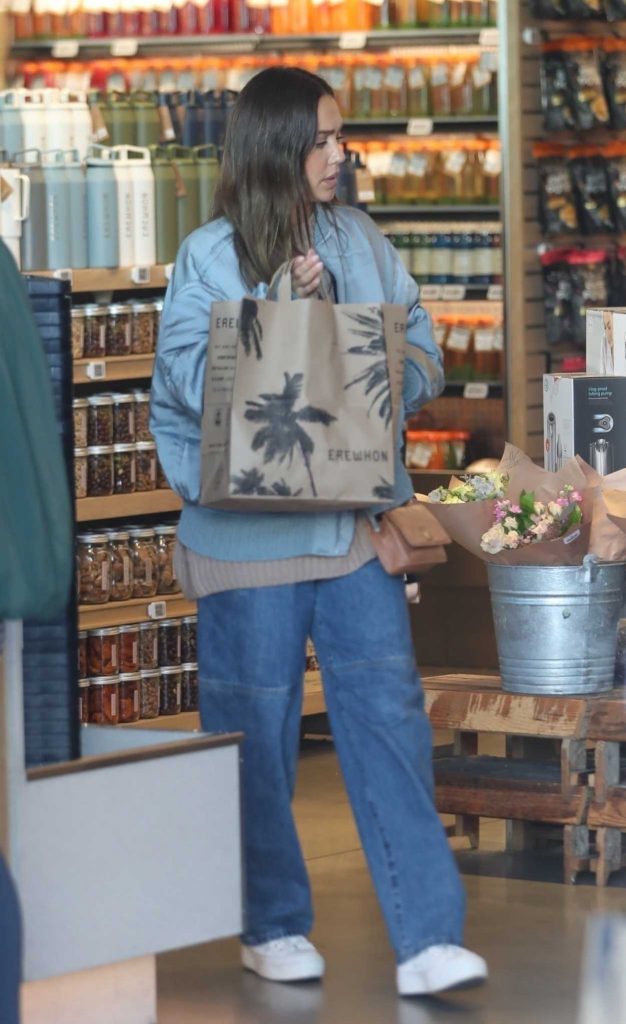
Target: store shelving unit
[(90, 371), (103, 279), (138, 609), (119, 506)]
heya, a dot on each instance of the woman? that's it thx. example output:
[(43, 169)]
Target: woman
[(265, 582)]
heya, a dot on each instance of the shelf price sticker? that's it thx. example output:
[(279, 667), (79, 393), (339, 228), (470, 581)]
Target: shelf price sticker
[(168, 269), (96, 370), (64, 49), (353, 40), (431, 293), (365, 185), (124, 47), (476, 389), (140, 275), (489, 37), (157, 610), (419, 126), (65, 274), (494, 293), (453, 292)]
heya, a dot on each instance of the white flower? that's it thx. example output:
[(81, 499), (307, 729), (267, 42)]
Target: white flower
[(554, 510), (511, 540), (510, 523), (493, 540)]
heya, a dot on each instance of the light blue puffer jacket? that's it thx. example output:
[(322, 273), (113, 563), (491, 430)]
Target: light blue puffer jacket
[(366, 268)]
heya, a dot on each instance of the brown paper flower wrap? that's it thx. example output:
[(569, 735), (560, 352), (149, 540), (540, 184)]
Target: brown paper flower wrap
[(467, 522), (607, 497)]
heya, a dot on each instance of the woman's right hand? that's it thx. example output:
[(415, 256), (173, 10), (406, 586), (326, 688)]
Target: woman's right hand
[(306, 274)]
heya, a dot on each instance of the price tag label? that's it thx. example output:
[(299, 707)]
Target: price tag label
[(97, 370), (419, 126), (352, 40), (124, 47), (453, 292), (140, 275), (365, 185), (63, 275), (489, 37), (157, 610), (476, 389), (494, 293), (168, 270), (65, 49), (431, 292)]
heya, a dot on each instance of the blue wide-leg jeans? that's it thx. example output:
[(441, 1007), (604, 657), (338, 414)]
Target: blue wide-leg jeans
[(251, 651)]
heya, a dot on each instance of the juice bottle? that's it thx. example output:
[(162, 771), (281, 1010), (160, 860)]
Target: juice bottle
[(458, 353), (280, 17), (395, 88), (320, 16), (486, 356), (406, 13), (418, 95), (299, 17)]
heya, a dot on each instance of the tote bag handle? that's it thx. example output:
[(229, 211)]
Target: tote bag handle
[(280, 286)]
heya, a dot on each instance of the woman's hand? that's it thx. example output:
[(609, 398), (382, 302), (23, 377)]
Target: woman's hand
[(306, 274)]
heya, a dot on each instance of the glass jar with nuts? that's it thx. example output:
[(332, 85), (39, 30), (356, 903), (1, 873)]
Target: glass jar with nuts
[(143, 324), (80, 472), (94, 568), (123, 468), (129, 694), (103, 700), (146, 466), (99, 419), (169, 642), (170, 696), (166, 543), (188, 645), (79, 416), (129, 648), (100, 471), (121, 565), (142, 416), (148, 645), (95, 332), (78, 332), (103, 651), (123, 417), (83, 701), (118, 330), (144, 556), (150, 693)]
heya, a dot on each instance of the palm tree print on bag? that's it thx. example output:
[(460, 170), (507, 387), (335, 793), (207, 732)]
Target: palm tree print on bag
[(251, 481), (282, 433), (376, 375), (250, 332)]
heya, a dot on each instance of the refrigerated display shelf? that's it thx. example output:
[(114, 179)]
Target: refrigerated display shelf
[(118, 506)]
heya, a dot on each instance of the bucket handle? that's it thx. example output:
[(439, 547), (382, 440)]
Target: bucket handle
[(591, 565)]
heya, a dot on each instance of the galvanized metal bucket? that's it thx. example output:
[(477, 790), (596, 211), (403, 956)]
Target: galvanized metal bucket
[(556, 626)]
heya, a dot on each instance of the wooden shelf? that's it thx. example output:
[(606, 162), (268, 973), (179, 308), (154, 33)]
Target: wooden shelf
[(103, 279), (115, 368), (121, 613), (118, 506), (490, 211)]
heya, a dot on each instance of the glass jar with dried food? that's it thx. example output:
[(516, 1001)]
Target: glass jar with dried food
[(129, 697), (100, 471), (99, 419), (169, 642), (162, 481), (94, 568), (103, 700), (79, 416), (148, 645), (129, 647), (170, 695), (146, 468), (188, 645), (158, 311), (118, 330), (121, 565), (166, 542), (95, 332), (103, 651), (189, 686), (123, 417), (150, 693), (78, 332), (82, 653), (142, 416), (124, 472), (80, 472), (145, 561), (83, 701), (143, 328)]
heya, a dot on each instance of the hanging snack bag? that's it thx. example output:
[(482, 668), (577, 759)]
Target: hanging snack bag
[(556, 101), (615, 155), (557, 295), (590, 283), (614, 77), (591, 109), (589, 174), (557, 204)]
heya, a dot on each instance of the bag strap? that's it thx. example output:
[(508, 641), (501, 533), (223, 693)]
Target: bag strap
[(280, 286)]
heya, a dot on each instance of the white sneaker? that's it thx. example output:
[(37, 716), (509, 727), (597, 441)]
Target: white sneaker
[(439, 968), (292, 958)]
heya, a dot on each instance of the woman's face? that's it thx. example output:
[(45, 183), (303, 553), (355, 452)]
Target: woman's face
[(322, 164)]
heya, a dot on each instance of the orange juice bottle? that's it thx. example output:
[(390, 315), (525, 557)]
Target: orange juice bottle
[(320, 16)]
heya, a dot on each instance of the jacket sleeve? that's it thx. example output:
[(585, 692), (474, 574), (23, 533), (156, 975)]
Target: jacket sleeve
[(423, 367), (183, 339)]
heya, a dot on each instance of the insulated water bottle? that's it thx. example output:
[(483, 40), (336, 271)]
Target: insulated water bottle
[(33, 247), (167, 182), (135, 205), (102, 229), (187, 202), (58, 210), (208, 173)]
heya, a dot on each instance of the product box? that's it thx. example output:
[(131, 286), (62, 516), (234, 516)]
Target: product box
[(584, 415), (606, 341)]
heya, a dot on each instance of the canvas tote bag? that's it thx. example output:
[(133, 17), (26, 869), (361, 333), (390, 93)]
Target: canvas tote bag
[(301, 402)]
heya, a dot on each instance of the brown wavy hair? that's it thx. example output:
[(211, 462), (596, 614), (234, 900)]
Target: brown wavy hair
[(262, 189)]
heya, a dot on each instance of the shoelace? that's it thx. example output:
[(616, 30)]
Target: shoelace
[(295, 942)]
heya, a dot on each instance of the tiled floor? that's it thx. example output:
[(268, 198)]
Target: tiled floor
[(530, 932)]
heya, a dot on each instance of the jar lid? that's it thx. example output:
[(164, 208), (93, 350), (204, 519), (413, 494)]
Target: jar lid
[(100, 449), (80, 453), (145, 672), (162, 623), (100, 400), (142, 533), (165, 531), (130, 677), (132, 627), (147, 625), (123, 447), (189, 666), (143, 307), (145, 446), (104, 631), (170, 670), (103, 680), (190, 619), (82, 683), (141, 396), (118, 308), (78, 312), (80, 403), (118, 534), (82, 633), (93, 309), (158, 304), (93, 538), (119, 397)]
